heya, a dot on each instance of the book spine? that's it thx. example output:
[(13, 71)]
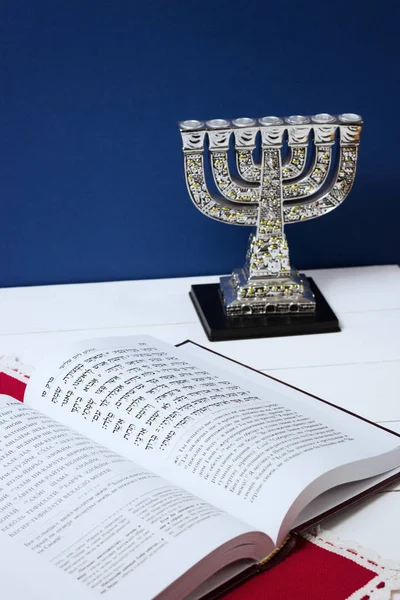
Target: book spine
[(266, 560)]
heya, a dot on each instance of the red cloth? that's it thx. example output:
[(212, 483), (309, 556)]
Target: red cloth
[(308, 573), (12, 387)]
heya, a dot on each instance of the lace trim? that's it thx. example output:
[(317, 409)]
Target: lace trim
[(11, 365), (387, 578)]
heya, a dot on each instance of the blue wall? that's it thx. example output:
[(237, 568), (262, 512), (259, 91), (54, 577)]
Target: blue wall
[(91, 179)]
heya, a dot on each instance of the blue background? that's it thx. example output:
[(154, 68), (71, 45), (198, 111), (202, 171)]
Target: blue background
[(91, 178)]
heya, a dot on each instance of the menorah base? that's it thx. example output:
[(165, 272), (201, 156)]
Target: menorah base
[(243, 296), (219, 327)]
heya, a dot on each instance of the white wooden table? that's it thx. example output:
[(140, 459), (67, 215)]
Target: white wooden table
[(358, 368)]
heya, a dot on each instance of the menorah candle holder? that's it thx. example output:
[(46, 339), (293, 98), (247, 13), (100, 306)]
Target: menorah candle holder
[(267, 296)]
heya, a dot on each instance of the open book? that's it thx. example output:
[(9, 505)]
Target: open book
[(135, 469)]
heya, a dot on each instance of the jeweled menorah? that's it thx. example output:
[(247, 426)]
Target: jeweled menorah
[(270, 194)]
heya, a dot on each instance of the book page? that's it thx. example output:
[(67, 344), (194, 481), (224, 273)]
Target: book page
[(89, 513), (223, 437)]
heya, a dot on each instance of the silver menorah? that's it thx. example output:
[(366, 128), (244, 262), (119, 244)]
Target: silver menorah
[(277, 191)]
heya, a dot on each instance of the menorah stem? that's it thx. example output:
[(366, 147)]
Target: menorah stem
[(269, 255), (266, 275)]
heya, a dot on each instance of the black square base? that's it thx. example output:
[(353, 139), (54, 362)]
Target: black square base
[(209, 306)]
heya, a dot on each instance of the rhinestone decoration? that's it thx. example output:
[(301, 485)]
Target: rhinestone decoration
[(251, 172), (296, 164), (301, 189), (248, 170), (269, 195), (205, 203), (313, 182), (268, 253), (230, 189), (332, 198)]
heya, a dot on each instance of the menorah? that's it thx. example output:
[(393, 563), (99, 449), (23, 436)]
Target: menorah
[(303, 184)]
